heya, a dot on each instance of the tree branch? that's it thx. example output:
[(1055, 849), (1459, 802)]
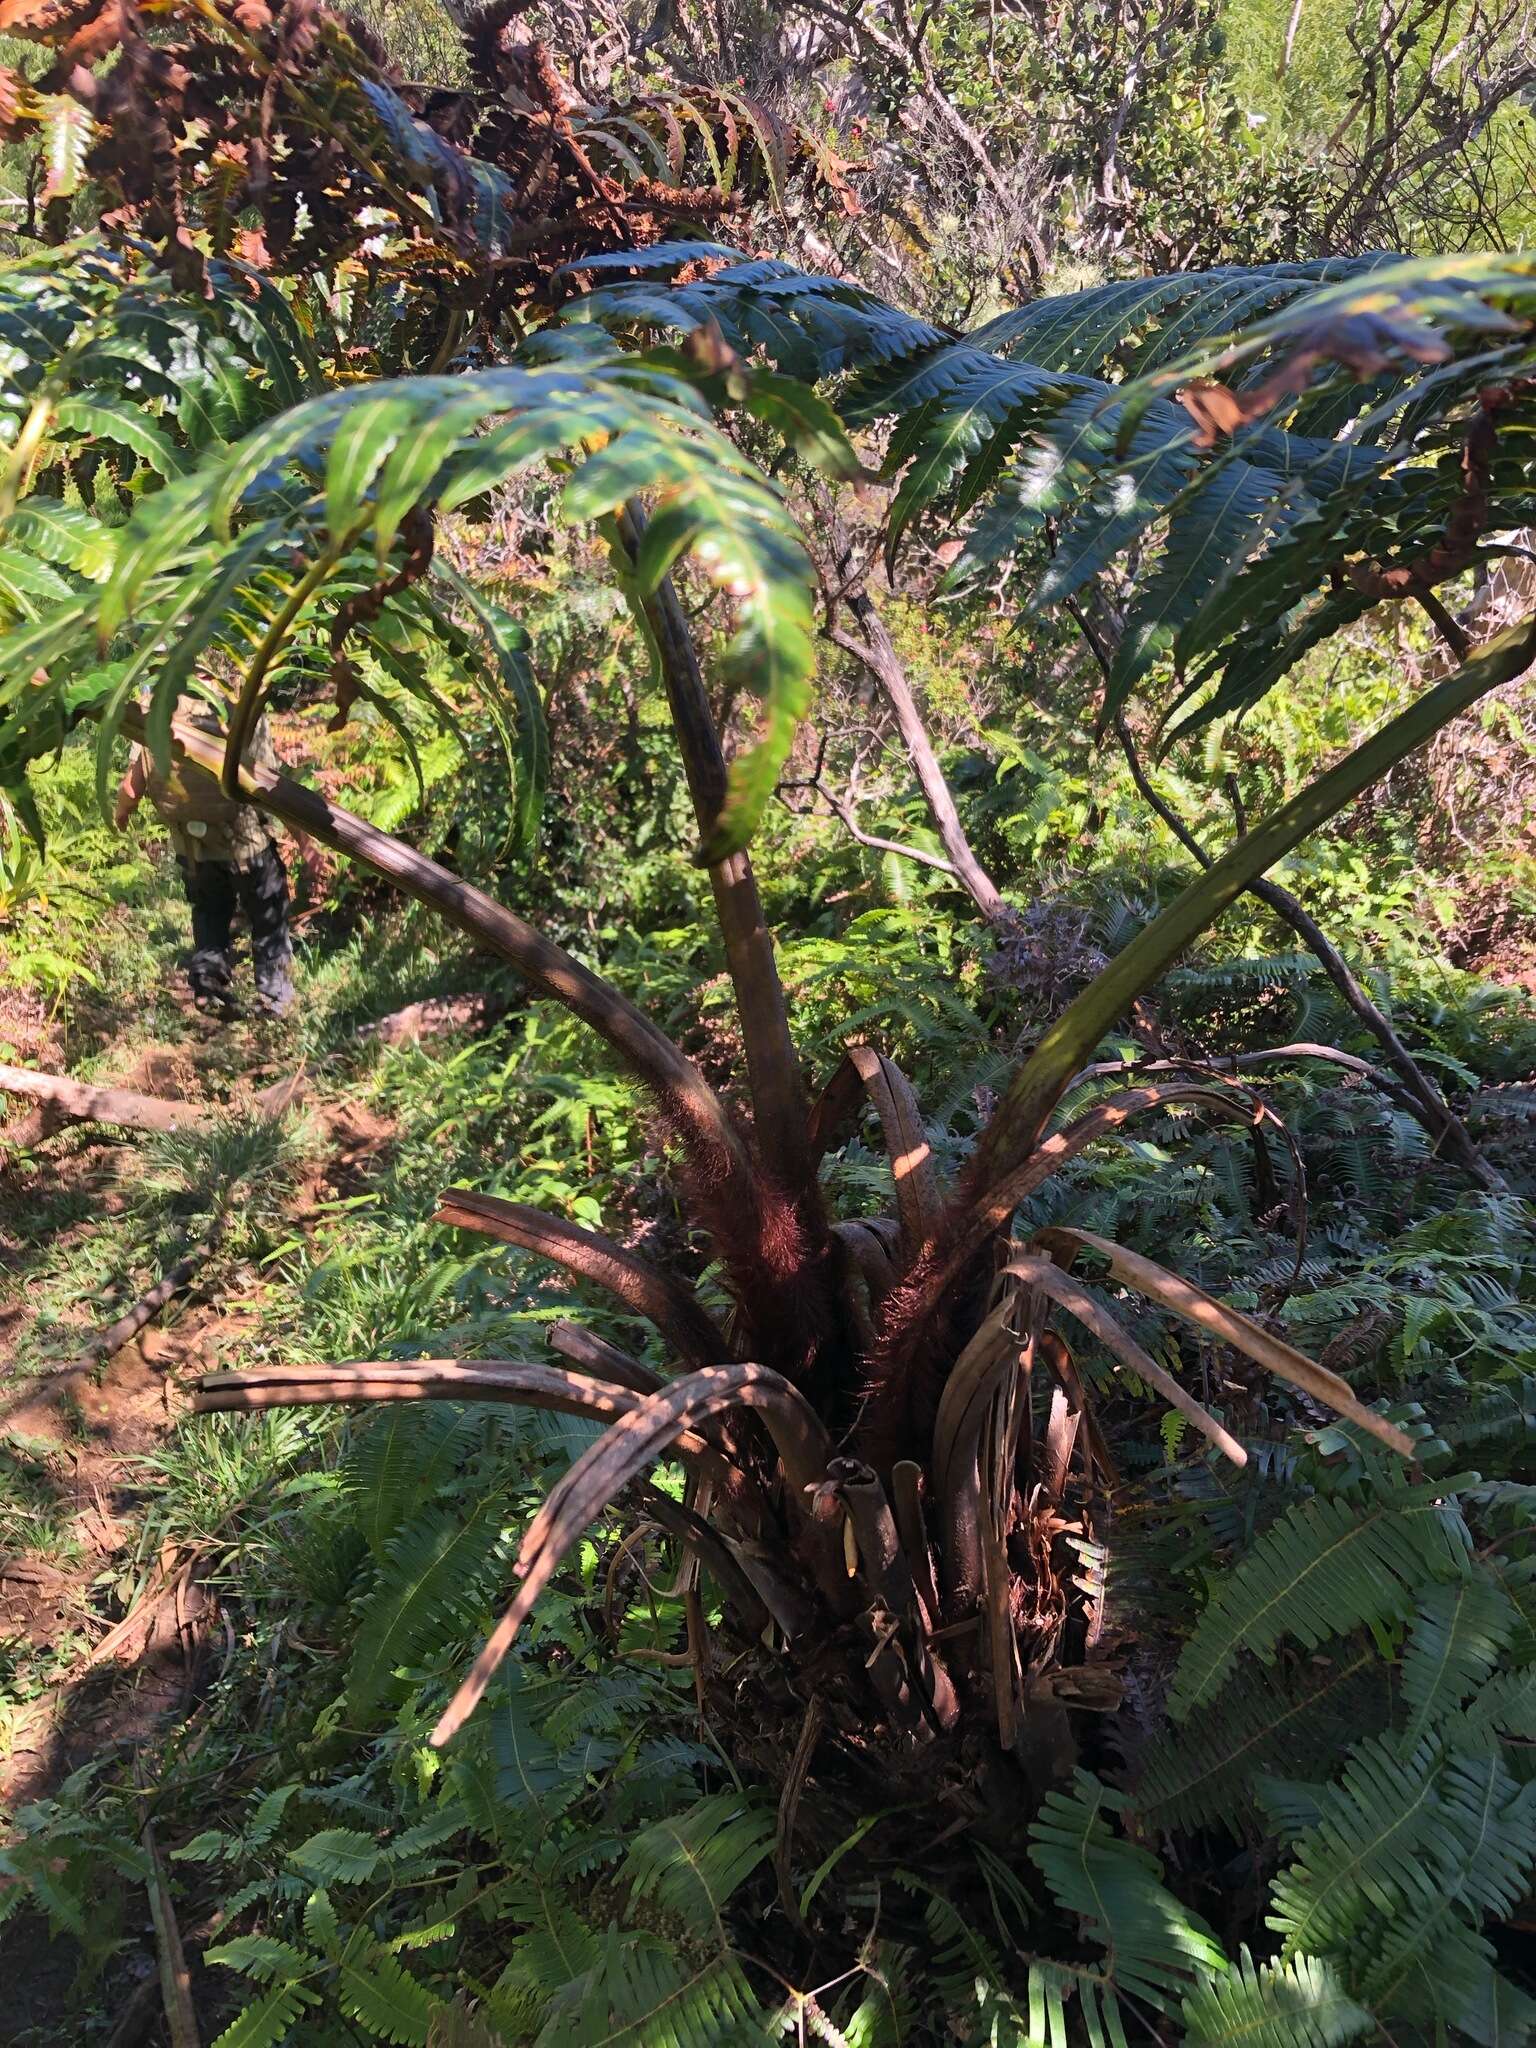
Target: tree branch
[(842, 808), (876, 653), (1420, 1097)]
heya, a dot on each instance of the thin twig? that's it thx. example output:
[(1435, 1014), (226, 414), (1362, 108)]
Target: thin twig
[(789, 1806), (1421, 1098), (175, 1978)]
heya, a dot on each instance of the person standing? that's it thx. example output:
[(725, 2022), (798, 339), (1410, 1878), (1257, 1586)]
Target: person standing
[(227, 858)]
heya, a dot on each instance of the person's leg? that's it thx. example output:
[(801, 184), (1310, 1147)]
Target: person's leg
[(210, 889), (263, 887)]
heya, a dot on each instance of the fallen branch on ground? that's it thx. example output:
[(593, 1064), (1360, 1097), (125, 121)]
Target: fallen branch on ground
[(433, 1015), (81, 1102), (149, 1304), (61, 1100)]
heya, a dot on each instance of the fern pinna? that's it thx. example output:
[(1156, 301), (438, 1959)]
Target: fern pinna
[(893, 1430)]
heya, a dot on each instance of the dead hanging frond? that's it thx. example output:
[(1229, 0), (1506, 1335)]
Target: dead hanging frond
[(588, 1255), (621, 1455), (1228, 1326), (865, 1074), (299, 114)]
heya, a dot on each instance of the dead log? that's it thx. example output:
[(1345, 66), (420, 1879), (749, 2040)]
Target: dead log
[(434, 1015), (81, 1102), (62, 1101)]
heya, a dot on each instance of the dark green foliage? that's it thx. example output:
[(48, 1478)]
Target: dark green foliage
[(1266, 533), (1330, 1565)]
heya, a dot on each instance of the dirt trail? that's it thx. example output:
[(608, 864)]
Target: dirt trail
[(81, 1438), (87, 1439)]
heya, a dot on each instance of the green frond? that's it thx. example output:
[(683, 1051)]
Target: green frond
[(809, 326), (398, 1459), (643, 1994), (886, 2015), (438, 1572), (1295, 2004), (1128, 326), (1407, 1853), (1065, 409), (456, 2026), (269, 2020), (526, 1778), (321, 1926), (1458, 1634), (691, 1863), (385, 2000), (555, 1950), (1271, 1722), (1504, 1708), (1328, 1566), (65, 534), (1152, 1944), (1453, 1977), (1223, 522), (337, 1856), (263, 1957)]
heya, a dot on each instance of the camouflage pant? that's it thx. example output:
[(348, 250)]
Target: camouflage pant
[(259, 888)]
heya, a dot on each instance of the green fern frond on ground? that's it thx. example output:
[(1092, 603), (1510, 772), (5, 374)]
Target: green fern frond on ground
[(435, 1581), (1152, 1944)]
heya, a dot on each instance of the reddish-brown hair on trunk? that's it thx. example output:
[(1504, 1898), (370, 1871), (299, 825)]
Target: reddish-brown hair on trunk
[(922, 1328)]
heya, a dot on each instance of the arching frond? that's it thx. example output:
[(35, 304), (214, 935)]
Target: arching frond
[(319, 503), (1295, 2004), (1261, 530), (1329, 1565)]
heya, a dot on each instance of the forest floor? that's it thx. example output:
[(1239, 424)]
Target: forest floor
[(110, 1621)]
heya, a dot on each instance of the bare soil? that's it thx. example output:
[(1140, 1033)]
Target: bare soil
[(129, 1668)]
